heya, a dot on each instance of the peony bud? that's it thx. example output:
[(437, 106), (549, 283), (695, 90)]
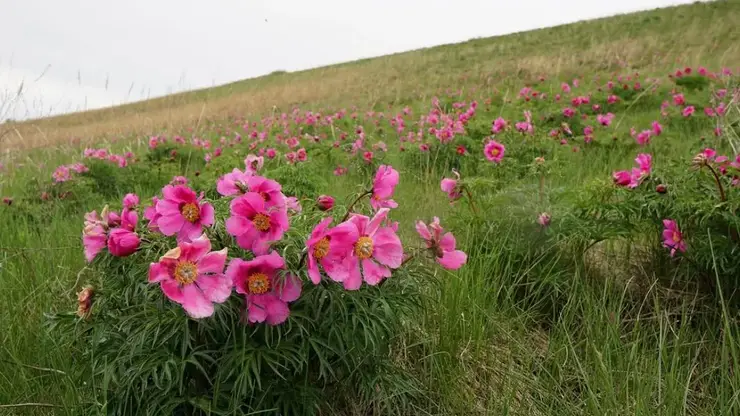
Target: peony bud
[(325, 202), (122, 242)]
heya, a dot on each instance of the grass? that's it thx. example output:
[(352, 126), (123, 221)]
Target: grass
[(527, 327)]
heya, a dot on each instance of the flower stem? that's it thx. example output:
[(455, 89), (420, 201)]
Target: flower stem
[(408, 259), (470, 200), (352, 205), (719, 184)]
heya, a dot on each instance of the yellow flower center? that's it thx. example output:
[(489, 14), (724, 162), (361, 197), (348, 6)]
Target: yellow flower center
[(494, 151), (191, 212), (676, 237), (258, 283), (185, 273), (261, 222), (321, 248), (364, 247)]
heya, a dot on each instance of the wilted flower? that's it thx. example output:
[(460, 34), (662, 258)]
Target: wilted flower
[(84, 301)]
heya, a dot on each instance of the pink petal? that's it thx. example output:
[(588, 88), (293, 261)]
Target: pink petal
[(313, 270), (215, 288), (179, 193), (167, 207), (236, 273), (387, 248), (195, 303), (172, 290), (213, 262), (207, 215), (171, 224), (158, 272), (237, 225), (453, 260), (256, 308), (447, 243), (379, 217), (248, 205), (289, 289), (354, 277), (277, 311), (423, 230), (374, 273)]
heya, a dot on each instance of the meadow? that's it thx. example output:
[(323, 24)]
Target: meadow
[(589, 172)]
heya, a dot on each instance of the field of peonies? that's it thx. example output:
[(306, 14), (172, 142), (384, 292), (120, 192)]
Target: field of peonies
[(568, 246)]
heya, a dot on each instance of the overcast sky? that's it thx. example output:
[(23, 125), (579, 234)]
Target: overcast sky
[(82, 54)]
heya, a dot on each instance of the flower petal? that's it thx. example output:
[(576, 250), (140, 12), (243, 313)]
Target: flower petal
[(195, 303)]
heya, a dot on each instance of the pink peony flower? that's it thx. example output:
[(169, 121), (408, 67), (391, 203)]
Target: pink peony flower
[(678, 99), (498, 125), (183, 213), (622, 177), (450, 186), (267, 293), (192, 276), (254, 163), (672, 237), (130, 201), (122, 242), (292, 204), (255, 224), (494, 151), (386, 179), (376, 251), (61, 174), (233, 183), (329, 247), (688, 111), (643, 137), (657, 128), (442, 246)]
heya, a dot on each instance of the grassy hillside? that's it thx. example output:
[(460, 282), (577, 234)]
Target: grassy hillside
[(601, 236), (699, 34)]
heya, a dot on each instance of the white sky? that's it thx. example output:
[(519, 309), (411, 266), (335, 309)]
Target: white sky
[(64, 51)]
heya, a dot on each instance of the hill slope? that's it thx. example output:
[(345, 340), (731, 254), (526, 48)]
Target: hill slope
[(702, 33)]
